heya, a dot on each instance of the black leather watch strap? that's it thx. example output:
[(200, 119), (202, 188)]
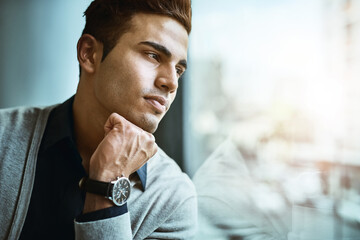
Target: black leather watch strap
[(96, 187)]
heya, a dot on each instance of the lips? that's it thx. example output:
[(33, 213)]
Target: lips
[(157, 102)]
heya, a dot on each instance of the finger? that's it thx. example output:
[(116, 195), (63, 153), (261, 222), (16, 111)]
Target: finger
[(113, 120), (151, 146)]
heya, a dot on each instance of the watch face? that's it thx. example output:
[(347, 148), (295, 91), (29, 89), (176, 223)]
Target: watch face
[(121, 191)]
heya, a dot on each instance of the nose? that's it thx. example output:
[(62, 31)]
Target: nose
[(167, 79)]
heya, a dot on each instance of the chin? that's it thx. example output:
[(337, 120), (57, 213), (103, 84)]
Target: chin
[(150, 128), (149, 123)]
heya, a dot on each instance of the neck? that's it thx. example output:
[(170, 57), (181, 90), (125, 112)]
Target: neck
[(88, 124)]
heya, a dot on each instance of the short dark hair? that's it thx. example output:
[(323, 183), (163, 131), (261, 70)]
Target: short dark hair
[(107, 20)]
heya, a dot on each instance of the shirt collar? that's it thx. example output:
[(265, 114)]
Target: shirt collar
[(142, 173), (60, 126)]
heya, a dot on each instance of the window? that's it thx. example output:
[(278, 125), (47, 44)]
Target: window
[(274, 86)]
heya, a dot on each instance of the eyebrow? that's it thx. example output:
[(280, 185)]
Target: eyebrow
[(163, 50)]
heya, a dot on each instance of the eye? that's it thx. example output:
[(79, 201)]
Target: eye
[(179, 71), (153, 56)]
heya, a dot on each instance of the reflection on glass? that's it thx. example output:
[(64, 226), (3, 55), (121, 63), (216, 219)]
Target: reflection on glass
[(273, 135)]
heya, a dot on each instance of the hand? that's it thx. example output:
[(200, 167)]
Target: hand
[(124, 149)]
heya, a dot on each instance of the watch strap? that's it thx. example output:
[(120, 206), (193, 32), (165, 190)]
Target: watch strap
[(96, 187)]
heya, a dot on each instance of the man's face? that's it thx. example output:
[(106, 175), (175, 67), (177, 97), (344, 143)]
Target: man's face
[(138, 79)]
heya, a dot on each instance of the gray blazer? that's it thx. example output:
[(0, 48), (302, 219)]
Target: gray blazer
[(167, 209)]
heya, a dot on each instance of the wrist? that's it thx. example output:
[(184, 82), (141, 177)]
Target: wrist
[(107, 176), (105, 194)]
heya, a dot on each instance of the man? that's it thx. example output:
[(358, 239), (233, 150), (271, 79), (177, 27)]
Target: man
[(64, 169)]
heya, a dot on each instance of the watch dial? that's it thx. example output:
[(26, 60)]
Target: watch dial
[(121, 191)]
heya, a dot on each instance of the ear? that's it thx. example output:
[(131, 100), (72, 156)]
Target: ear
[(89, 52)]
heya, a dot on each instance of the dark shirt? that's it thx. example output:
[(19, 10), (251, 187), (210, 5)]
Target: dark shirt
[(56, 199)]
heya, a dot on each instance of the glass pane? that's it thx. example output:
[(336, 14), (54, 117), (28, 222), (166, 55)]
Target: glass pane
[(273, 118)]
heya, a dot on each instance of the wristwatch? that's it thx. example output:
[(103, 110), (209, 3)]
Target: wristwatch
[(118, 191)]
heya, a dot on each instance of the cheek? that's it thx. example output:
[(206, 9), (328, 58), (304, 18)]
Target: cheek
[(128, 78), (172, 98), (142, 72)]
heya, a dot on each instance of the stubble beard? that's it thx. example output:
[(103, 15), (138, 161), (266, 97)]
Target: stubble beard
[(149, 123)]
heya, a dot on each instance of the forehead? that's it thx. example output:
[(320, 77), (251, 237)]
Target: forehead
[(159, 29)]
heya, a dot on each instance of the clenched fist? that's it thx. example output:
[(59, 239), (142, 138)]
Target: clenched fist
[(124, 149)]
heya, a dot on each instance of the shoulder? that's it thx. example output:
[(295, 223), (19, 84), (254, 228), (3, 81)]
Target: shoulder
[(17, 118), (22, 114), (18, 112), (22, 121)]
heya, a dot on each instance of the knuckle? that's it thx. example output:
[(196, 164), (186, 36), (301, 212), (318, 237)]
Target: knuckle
[(113, 114), (155, 148), (152, 137)]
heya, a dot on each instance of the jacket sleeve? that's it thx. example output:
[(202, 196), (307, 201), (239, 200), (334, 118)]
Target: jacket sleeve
[(118, 228), (180, 224)]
